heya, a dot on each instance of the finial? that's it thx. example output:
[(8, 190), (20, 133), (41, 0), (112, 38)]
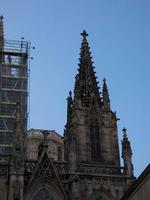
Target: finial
[(104, 80), (124, 130), (105, 86), (104, 83), (1, 18), (70, 93), (84, 34)]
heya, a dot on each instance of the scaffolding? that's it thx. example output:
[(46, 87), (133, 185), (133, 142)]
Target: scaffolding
[(13, 87)]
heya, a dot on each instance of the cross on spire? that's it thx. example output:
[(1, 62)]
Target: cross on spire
[(84, 34)]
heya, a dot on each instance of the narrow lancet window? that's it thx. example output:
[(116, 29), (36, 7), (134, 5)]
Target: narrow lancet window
[(95, 141)]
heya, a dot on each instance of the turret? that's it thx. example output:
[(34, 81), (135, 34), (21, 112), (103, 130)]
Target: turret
[(127, 154)]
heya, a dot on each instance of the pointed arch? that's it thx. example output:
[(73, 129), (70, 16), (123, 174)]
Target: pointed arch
[(46, 188), (45, 177)]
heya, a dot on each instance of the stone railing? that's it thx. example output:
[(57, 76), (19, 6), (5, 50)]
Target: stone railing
[(100, 169), (61, 167)]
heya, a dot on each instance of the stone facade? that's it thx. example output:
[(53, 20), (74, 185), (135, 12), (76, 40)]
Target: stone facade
[(90, 168)]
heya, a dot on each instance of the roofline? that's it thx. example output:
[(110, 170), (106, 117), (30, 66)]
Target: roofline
[(137, 182)]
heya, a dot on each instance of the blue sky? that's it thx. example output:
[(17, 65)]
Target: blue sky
[(119, 37)]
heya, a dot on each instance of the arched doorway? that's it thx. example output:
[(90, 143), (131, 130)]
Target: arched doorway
[(43, 194)]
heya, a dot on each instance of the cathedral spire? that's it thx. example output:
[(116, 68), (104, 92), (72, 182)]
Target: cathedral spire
[(106, 100), (1, 33), (86, 84)]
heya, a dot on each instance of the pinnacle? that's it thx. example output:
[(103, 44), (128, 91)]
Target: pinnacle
[(70, 93), (105, 90), (104, 80), (124, 130), (104, 84)]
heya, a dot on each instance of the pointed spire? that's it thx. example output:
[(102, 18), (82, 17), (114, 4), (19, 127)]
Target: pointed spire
[(106, 100), (126, 143), (127, 154), (86, 83), (1, 33), (69, 108)]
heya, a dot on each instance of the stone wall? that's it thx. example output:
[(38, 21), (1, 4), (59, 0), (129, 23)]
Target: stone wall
[(55, 144)]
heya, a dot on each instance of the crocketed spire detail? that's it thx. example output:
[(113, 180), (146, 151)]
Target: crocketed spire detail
[(126, 143), (86, 84)]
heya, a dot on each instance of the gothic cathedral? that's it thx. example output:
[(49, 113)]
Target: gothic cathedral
[(82, 165)]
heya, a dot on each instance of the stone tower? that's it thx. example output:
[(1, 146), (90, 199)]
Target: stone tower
[(91, 137)]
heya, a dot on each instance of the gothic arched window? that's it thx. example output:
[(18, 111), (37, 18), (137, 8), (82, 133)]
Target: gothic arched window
[(95, 140)]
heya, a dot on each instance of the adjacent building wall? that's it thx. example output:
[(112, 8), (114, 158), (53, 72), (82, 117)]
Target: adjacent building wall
[(141, 188), (55, 144)]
